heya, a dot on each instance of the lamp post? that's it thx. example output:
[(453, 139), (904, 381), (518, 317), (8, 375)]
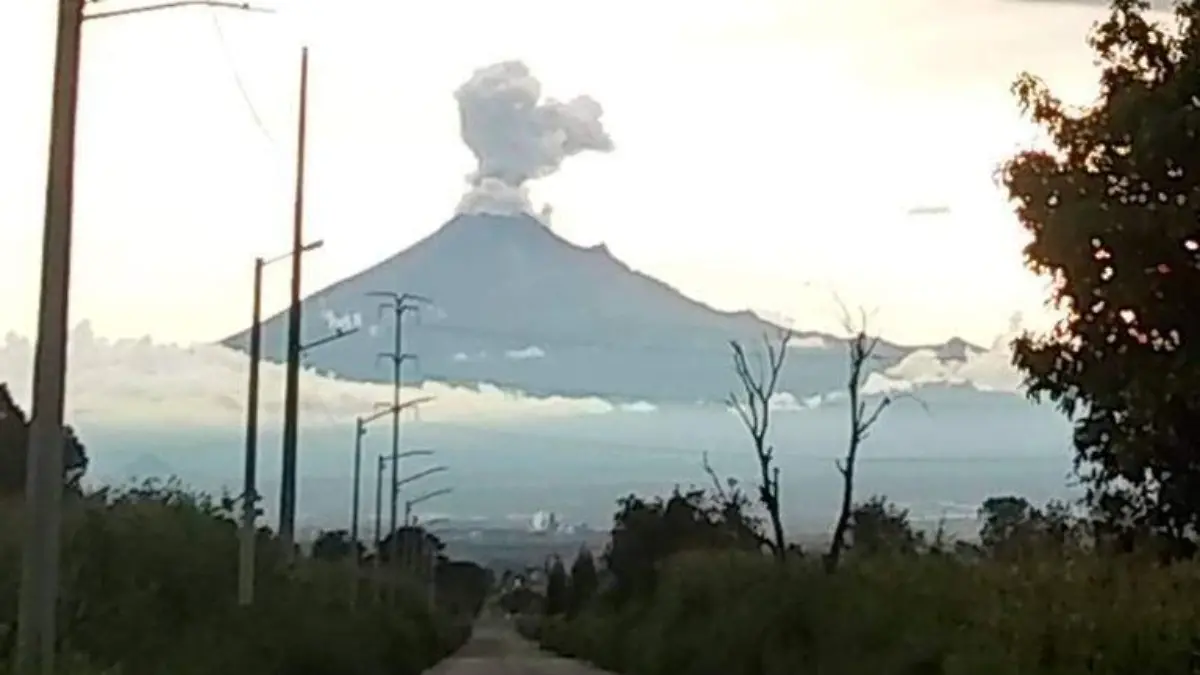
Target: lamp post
[(360, 430), (36, 627), (426, 552), (246, 547), (410, 503), (381, 463)]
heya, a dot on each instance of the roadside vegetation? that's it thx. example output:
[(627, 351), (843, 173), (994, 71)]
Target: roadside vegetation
[(700, 582), (149, 579)]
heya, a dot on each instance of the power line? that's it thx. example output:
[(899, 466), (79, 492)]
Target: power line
[(237, 79)]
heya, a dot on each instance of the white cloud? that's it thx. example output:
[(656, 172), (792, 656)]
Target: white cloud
[(139, 382), (638, 407), (463, 357), (530, 352), (810, 342), (989, 370)]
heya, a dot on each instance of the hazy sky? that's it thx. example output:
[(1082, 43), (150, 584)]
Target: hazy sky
[(761, 145)]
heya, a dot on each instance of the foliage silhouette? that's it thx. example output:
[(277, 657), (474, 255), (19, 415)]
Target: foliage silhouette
[(149, 586), (14, 449), (1111, 209)]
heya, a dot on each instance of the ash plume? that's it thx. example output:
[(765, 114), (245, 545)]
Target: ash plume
[(516, 137)]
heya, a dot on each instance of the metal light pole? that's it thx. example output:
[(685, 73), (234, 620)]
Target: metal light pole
[(249, 478), (382, 461), (36, 623), (424, 551), (410, 503), (360, 430)]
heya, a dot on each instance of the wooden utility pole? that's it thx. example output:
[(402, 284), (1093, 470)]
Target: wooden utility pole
[(38, 600), (249, 532), (43, 518), (291, 402)]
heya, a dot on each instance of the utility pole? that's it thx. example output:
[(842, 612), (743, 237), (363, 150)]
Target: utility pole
[(249, 533), (36, 614), (291, 400), (398, 304)]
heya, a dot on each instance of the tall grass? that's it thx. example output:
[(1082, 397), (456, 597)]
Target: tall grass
[(148, 587), (742, 614)]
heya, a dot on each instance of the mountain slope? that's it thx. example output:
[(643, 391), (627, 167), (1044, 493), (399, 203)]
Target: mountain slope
[(518, 306)]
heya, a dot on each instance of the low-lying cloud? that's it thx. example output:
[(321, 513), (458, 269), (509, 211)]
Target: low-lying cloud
[(989, 370), (138, 382)]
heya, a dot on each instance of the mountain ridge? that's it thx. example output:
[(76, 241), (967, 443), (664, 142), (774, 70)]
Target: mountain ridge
[(519, 306)]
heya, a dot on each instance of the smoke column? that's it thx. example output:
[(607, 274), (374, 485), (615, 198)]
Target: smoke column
[(517, 138)]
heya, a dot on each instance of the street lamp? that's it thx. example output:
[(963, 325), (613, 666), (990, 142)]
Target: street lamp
[(426, 552), (381, 464), (360, 430), (249, 478), (410, 503), (36, 627)]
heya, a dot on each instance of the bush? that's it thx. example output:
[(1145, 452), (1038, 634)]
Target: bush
[(733, 614), (148, 585)]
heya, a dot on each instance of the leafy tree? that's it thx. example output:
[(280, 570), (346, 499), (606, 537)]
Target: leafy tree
[(521, 600), (413, 543), (1111, 209), (557, 587), (336, 545), (461, 586), (1011, 525), (14, 449), (879, 526), (1005, 519), (646, 533), (584, 581)]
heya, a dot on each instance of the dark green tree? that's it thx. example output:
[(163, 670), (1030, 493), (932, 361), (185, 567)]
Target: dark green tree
[(584, 581), (647, 532), (462, 586), (521, 600), (1111, 209), (1012, 526), (336, 545), (557, 587), (413, 544), (14, 449), (878, 526)]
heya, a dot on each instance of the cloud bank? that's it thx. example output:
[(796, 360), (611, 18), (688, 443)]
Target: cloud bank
[(989, 370), (137, 382)]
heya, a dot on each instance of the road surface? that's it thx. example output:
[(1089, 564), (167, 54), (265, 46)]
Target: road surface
[(495, 648)]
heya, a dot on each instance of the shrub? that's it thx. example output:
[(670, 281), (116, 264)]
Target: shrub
[(734, 614), (148, 585)]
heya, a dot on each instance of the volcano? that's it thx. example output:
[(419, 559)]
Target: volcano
[(517, 306)]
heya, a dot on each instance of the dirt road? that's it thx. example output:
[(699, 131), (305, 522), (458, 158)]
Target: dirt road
[(496, 649)]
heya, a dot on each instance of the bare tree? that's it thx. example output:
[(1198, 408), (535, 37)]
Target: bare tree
[(862, 351), (753, 406)]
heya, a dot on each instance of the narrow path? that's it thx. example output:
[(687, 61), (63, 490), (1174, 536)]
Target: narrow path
[(495, 648)]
